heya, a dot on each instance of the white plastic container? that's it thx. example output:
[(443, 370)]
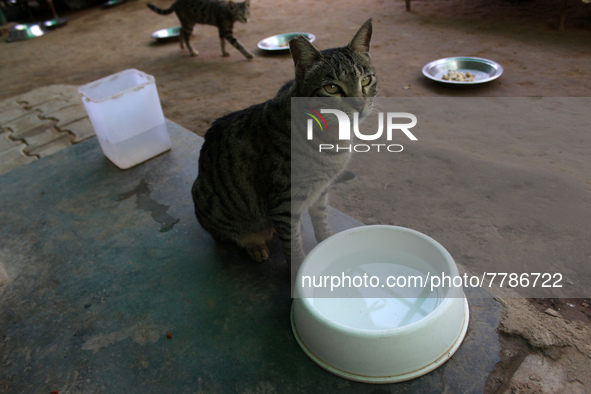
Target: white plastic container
[(127, 117), (386, 334)]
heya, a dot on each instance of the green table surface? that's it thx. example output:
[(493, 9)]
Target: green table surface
[(102, 264)]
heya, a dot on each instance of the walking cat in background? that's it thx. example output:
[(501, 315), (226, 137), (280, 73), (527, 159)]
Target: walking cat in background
[(243, 192), (218, 13)]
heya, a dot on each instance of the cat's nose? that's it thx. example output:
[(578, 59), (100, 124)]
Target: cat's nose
[(359, 106)]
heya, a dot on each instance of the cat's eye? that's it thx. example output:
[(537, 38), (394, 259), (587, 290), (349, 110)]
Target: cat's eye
[(366, 81), (332, 88)]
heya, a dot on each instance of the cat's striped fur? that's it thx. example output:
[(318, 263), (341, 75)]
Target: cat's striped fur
[(218, 13), (243, 191)]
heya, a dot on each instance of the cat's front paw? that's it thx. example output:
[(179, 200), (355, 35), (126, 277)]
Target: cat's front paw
[(249, 56), (258, 252), (322, 235), (225, 54)]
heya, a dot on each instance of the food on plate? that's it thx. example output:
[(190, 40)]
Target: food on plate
[(454, 75)]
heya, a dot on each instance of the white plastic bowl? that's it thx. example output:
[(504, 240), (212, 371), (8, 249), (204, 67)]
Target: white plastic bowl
[(377, 333)]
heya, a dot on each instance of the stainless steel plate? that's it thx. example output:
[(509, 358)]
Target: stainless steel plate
[(484, 70), (55, 23), (170, 34), (280, 42), (25, 31), (113, 3)]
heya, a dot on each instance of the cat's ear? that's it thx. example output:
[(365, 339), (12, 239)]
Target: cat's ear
[(231, 4), (304, 54), (360, 43)]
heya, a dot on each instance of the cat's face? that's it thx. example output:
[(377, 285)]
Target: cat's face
[(240, 11), (339, 72)]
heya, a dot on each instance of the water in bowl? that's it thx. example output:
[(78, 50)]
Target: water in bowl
[(376, 295)]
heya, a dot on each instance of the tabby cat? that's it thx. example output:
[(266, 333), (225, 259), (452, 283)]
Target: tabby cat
[(245, 190), (218, 13)]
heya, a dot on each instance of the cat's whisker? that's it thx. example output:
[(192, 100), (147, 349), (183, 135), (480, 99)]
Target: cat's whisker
[(375, 102)]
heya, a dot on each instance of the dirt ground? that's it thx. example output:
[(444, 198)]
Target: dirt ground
[(412, 190)]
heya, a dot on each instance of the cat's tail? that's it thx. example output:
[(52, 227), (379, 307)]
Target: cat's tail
[(160, 10)]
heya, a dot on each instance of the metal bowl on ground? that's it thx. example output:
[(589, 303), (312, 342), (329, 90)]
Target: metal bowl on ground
[(484, 70), (280, 42), (165, 35), (113, 3), (25, 31), (371, 327), (55, 23)]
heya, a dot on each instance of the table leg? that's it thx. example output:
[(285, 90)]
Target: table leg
[(563, 6), (50, 2)]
